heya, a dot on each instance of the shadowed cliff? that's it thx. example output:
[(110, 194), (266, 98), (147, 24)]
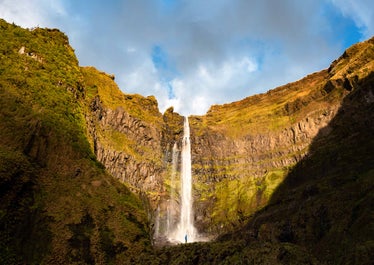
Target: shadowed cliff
[(325, 203), (58, 204)]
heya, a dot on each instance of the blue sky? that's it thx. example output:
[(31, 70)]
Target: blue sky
[(193, 54)]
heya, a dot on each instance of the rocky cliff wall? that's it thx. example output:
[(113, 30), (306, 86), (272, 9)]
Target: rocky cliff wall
[(241, 151), (234, 177), (129, 148), (134, 155)]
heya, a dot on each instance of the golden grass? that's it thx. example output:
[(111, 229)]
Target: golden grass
[(101, 84)]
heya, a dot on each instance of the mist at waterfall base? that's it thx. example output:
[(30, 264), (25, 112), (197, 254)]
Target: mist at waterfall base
[(174, 222)]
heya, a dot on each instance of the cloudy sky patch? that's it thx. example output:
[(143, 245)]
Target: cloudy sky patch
[(192, 54)]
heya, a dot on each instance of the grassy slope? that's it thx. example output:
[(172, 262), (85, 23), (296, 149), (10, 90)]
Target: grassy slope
[(101, 84), (58, 205), (271, 111), (288, 104)]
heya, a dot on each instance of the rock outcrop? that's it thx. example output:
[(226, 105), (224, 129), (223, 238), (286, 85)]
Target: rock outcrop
[(126, 139)]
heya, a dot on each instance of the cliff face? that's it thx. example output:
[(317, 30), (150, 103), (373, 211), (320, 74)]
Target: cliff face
[(133, 141), (241, 151), (240, 162), (141, 166), (126, 139)]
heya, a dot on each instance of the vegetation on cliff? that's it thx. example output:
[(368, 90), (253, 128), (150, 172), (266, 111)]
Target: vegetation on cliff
[(125, 131), (243, 150), (102, 85), (58, 205)]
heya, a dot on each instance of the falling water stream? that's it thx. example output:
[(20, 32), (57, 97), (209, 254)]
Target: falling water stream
[(185, 230)]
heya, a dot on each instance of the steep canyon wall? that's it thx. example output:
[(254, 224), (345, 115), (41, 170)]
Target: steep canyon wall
[(241, 151), (234, 175)]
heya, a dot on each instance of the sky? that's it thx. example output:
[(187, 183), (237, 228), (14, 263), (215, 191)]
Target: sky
[(191, 54)]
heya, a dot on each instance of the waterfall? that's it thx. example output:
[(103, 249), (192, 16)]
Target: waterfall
[(185, 227)]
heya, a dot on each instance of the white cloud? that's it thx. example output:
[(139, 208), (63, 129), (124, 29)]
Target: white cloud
[(361, 11), (211, 84), (142, 79), (23, 13), (30, 14)]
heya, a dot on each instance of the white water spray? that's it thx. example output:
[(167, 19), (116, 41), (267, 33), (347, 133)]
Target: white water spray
[(185, 230)]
